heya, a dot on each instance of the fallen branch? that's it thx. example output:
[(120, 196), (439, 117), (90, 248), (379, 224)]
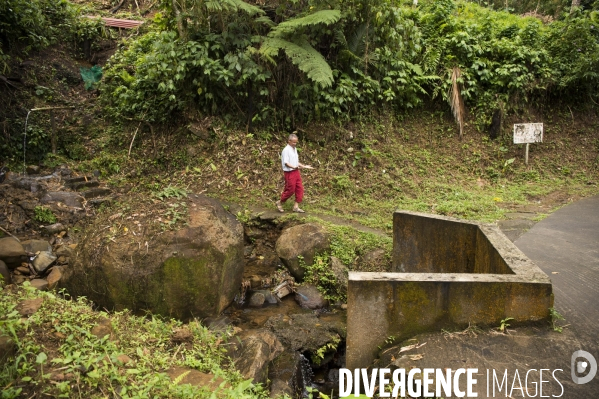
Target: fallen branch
[(116, 8), (133, 139), (7, 232), (51, 108)]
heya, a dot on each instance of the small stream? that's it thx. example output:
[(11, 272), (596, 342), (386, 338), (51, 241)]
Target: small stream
[(298, 366)]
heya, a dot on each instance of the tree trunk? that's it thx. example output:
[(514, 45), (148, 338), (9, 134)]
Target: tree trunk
[(575, 4)]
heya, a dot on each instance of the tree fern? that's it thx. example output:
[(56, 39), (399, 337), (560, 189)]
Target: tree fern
[(326, 17), (233, 6), (303, 55)]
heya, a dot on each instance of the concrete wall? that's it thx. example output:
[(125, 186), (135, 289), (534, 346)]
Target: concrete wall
[(437, 244), (496, 281)]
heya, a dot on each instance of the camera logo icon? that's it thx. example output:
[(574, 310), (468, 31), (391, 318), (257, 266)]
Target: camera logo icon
[(579, 366)]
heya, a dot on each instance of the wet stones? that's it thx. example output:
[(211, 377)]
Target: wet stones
[(286, 375), (257, 300), (305, 332), (259, 348), (309, 297)]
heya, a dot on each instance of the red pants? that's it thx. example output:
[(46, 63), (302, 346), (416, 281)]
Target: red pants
[(293, 185)]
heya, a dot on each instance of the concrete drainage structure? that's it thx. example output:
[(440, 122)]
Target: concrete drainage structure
[(448, 273)]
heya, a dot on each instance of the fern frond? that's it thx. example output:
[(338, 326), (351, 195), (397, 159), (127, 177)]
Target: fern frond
[(347, 55), (357, 42), (265, 20), (326, 17), (233, 6), (303, 55), (340, 38), (455, 99)]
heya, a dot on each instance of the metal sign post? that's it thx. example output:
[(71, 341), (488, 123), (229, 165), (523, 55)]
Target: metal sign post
[(526, 133)]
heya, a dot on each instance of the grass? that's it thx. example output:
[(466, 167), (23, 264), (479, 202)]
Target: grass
[(415, 162), (59, 357)]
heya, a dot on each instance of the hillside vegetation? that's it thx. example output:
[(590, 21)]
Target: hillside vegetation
[(397, 107)]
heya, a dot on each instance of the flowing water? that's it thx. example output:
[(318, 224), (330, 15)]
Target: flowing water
[(25, 142)]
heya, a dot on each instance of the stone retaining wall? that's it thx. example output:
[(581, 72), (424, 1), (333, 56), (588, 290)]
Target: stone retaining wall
[(450, 273)]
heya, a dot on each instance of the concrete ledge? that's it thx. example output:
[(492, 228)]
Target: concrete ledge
[(493, 280)]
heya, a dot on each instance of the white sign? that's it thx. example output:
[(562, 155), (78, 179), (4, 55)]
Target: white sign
[(528, 133)]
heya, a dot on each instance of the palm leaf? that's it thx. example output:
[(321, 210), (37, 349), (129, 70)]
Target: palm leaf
[(303, 55), (455, 99)]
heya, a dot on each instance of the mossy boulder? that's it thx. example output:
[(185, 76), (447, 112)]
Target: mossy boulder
[(194, 271), (304, 240)]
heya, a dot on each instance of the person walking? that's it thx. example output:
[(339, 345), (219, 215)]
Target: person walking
[(293, 179)]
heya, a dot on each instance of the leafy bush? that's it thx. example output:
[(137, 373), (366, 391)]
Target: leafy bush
[(44, 215), (35, 24), (352, 57), (171, 191), (320, 275)]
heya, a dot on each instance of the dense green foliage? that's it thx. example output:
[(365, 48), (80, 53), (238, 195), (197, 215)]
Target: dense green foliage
[(35, 24), (56, 342), (291, 64)]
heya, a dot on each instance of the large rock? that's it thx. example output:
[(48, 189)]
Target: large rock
[(305, 240), (43, 261), (259, 348), (71, 199), (286, 375), (34, 246), (307, 332), (54, 277), (341, 274), (28, 307), (5, 273), (54, 228), (28, 184), (192, 272), (39, 284), (11, 252)]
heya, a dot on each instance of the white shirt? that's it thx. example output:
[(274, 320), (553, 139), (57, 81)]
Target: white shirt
[(289, 156)]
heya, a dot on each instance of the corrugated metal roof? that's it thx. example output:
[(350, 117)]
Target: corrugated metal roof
[(119, 23)]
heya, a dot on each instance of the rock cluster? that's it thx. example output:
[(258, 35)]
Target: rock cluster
[(36, 261), (45, 246)]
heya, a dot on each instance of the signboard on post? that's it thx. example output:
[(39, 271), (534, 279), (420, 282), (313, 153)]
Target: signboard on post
[(526, 133)]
